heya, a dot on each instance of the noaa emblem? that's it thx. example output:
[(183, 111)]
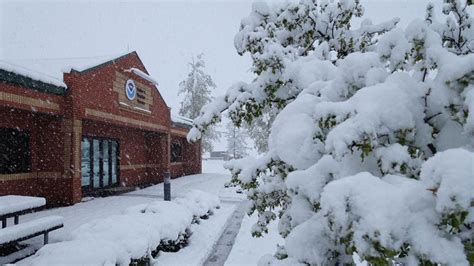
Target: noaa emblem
[(130, 90)]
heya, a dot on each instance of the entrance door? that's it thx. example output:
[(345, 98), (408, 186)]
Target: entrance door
[(99, 163)]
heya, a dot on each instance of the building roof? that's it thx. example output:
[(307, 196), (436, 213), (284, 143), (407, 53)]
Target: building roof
[(86, 66), (31, 79), (181, 121)]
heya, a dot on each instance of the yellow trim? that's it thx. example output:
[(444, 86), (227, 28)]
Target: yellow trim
[(10, 97), (138, 166), (179, 132), (32, 175), (77, 127), (67, 127), (109, 116)]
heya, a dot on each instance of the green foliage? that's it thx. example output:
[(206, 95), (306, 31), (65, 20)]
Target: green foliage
[(454, 221)]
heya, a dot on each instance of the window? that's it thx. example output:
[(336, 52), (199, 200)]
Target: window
[(99, 163), (176, 152), (14, 151)]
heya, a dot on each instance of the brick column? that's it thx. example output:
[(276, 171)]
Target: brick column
[(76, 160)]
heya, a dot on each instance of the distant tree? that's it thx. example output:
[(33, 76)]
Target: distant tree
[(259, 129), (197, 89), (236, 141)]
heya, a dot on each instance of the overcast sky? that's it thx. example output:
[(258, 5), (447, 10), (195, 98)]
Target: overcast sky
[(48, 36)]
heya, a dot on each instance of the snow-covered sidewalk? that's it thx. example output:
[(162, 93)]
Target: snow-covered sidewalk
[(204, 236), (247, 250)]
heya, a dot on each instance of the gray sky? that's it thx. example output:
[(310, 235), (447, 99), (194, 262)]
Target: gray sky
[(48, 36)]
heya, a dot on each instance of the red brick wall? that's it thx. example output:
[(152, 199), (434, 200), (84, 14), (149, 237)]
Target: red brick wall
[(29, 93), (144, 149), (94, 89), (46, 150), (137, 148), (191, 158)]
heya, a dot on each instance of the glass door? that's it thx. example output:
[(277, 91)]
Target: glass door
[(114, 160), (96, 158), (99, 163), (105, 163)]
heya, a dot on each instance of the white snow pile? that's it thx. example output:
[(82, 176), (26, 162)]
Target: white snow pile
[(199, 203), (372, 148), (14, 203), (181, 119), (13, 233), (143, 75), (139, 233)]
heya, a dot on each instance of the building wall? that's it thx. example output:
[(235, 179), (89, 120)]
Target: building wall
[(91, 107), (191, 155), (141, 157), (46, 155), (96, 89)]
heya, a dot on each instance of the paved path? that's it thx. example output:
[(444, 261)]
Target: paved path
[(222, 248)]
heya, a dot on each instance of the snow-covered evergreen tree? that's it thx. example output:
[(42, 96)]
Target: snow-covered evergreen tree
[(371, 151), (236, 141), (197, 89)]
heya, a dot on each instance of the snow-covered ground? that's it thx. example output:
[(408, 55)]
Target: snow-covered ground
[(204, 236), (245, 251)]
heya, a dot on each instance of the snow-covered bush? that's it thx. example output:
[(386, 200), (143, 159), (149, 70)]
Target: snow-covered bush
[(201, 204), (138, 234), (371, 152)]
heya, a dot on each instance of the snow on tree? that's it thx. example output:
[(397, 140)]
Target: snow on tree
[(197, 89), (372, 149), (236, 141)]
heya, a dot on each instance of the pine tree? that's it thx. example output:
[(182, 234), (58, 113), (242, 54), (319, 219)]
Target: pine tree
[(236, 141), (371, 149), (197, 89)]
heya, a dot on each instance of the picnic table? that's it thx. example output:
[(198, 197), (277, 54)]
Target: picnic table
[(14, 206), (11, 236)]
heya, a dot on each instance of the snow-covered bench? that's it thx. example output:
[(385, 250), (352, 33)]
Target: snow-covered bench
[(14, 206), (27, 230)]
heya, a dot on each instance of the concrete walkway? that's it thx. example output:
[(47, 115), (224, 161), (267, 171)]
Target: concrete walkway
[(222, 248)]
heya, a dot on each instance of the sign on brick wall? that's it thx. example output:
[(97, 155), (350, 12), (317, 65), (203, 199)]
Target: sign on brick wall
[(132, 95)]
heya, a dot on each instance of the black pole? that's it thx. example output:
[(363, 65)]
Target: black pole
[(167, 186)]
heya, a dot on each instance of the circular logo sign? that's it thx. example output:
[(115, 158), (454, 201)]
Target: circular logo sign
[(130, 90)]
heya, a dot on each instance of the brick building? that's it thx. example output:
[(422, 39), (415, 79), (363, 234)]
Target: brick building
[(104, 129)]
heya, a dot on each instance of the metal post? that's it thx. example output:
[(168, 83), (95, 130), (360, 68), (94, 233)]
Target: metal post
[(46, 238), (4, 222), (17, 219), (167, 186)]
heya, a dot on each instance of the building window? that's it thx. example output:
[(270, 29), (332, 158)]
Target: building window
[(176, 151), (14, 151)]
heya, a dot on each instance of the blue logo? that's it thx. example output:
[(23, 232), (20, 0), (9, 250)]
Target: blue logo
[(130, 90)]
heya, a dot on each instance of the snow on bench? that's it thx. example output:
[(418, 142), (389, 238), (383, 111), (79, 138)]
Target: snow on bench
[(133, 235), (13, 204), (30, 229)]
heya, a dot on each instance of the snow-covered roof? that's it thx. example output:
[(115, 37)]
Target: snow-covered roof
[(21, 71), (86, 64), (181, 120)]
